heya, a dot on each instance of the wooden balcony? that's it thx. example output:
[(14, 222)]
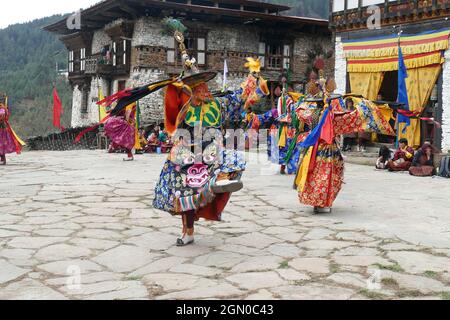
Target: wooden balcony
[(392, 12), (99, 66)]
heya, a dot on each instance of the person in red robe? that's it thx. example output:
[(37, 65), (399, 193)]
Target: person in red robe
[(402, 158), (423, 162), (121, 130)]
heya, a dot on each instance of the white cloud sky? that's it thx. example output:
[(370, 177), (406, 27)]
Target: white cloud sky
[(19, 11)]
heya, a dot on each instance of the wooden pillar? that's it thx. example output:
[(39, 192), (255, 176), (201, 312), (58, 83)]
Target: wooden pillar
[(345, 13), (386, 8), (360, 11), (438, 112)]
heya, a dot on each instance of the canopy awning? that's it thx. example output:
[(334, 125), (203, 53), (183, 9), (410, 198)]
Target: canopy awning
[(387, 46), (391, 63)]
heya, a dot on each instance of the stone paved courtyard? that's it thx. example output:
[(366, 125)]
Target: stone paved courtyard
[(62, 213)]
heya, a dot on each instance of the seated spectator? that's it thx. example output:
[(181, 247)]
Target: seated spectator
[(162, 136), (383, 158), (423, 164), (152, 141), (142, 138), (402, 158), (167, 145), (142, 142)]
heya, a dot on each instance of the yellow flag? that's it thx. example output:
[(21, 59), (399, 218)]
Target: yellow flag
[(101, 108)]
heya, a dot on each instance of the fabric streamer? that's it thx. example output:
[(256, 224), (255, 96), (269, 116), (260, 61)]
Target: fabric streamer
[(57, 110)]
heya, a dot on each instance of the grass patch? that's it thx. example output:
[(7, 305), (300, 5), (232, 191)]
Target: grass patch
[(334, 268), (372, 294), (389, 282), (134, 278), (430, 274), (284, 265), (445, 295), (395, 267)]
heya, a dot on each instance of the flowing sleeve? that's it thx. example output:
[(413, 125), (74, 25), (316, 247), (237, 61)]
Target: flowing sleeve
[(266, 118), (347, 122), (232, 105), (367, 117)]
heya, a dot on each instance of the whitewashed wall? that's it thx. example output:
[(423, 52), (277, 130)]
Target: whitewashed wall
[(82, 119), (340, 69), (99, 40)]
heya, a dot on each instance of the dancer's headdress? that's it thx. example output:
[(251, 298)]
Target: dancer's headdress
[(3, 99)]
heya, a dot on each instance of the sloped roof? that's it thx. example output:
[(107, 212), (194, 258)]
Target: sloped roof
[(236, 11)]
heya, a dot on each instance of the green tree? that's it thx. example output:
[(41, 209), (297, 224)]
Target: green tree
[(28, 59), (305, 8)]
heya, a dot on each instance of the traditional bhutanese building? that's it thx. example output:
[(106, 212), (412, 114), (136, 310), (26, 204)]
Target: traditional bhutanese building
[(366, 34), (121, 45)]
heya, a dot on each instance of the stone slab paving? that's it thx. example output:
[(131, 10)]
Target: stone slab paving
[(80, 225)]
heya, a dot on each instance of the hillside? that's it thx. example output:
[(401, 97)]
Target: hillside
[(305, 8), (28, 58)]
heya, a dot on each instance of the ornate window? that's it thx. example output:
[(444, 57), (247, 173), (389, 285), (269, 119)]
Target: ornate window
[(277, 55)]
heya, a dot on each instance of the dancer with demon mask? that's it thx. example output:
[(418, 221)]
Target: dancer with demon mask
[(201, 173), (320, 171)]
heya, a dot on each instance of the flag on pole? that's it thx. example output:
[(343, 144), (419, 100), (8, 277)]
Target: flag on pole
[(101, 108), (402, 90), (137, 141), (225, 75), (57, 110)]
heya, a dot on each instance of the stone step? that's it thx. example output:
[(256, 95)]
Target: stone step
[(360, 160), (362, 154)]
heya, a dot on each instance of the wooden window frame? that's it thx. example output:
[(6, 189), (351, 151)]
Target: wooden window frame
[(278, 60), (84, 101), (71, 63), (83, 59), (195, 52), (121, 52)]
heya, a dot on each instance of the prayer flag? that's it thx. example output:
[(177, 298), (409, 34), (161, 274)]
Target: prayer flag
[(101, 108), (402, 90), (225, 75), (57, 110)]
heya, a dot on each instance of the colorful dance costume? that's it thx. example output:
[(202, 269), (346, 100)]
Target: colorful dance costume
[(9, 141), (288, 133), (321, 166), (121, 129), (195, 168)]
